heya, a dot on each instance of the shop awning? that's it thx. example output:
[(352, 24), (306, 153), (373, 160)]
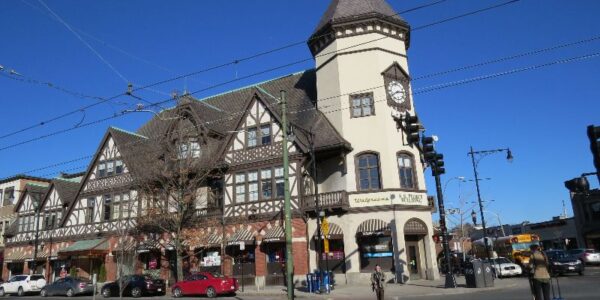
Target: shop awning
[(147, 246), (274, 234), (373, 227), (15, 256), (416, 227), (210, 240), (242, 235), (95, 246), (335, 232)]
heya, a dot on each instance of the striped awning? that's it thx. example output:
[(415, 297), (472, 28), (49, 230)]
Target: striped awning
[(415, 226), (373, 227), (335, 232), (15, 256), (210, 240), (274, 234), (242, 235), (147, 245)]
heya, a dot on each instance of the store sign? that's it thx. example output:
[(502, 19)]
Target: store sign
[(378, 254), (388, 198)]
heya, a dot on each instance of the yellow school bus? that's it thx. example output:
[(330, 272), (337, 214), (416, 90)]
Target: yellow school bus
[(514, 247)]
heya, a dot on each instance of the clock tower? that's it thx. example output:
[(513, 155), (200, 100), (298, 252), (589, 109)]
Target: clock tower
[(363, 80), (363, 84)]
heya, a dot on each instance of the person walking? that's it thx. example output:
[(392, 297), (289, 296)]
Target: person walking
[(378, 282), (540, 276)]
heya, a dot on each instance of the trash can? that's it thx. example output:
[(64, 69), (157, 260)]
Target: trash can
[(309, 282), (326, 282), (474, 274), (317, 282), (488, 274)]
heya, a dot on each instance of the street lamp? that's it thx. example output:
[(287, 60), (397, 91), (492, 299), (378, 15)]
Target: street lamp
[(481, 155)]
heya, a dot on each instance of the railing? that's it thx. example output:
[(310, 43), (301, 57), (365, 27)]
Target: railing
[(337, 199)]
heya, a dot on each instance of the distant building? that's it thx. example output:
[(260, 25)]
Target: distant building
[(558, 233)]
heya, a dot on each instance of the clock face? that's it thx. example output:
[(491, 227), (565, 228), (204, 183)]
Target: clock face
[(397, 91)]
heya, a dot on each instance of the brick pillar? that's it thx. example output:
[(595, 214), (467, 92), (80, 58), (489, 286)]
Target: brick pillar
[(165, 268), (48, 274), (5, 272), (227, 265), (300, 250), (260, 261), (25, 268), (110, 265)]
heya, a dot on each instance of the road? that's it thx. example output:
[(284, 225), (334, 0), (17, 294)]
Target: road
[(574, 287)]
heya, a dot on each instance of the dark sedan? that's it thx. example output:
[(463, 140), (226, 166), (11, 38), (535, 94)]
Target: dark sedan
[(135, 286), (562, 263), (68, 286)]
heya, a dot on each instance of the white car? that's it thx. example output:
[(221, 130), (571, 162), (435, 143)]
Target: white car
[(503, 267), (22, 284)]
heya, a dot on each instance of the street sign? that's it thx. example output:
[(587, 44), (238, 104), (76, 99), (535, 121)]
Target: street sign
[(325, 227), (242, 246), (326, 245)]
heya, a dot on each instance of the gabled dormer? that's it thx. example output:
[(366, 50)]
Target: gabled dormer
[(105, 191), (28, 204)]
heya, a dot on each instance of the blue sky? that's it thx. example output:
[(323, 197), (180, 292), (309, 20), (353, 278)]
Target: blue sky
[(540, 114)]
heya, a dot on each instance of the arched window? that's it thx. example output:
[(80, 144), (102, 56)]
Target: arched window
[(406, 170), (367, 170)]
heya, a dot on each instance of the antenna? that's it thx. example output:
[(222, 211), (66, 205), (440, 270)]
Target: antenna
[(564, 214)]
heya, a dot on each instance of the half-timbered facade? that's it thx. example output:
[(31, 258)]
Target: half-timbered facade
[(368, 183)]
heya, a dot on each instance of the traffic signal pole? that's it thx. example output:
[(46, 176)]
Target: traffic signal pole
[(450, 280)]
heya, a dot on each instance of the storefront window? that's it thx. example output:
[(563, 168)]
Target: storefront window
[(375, 250)]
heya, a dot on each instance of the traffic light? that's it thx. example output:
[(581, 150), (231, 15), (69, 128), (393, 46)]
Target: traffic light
[(474, 216), (411, 128), (578, 185), (428, 148), (438, 164), (593, 133)]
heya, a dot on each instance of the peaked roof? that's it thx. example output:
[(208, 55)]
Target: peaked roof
[(222, 113), (67, 190), (33, 189), (352, 10)]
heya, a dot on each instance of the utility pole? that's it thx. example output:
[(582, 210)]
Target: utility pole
[(289, 259)]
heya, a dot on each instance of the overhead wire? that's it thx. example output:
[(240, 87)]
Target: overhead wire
[(415, 92), (208, 69)]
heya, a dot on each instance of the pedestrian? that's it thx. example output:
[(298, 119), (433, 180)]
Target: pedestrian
[(538, 264), (378, 282)]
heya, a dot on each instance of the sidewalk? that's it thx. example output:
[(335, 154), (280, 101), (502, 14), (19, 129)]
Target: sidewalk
[(414, 288)]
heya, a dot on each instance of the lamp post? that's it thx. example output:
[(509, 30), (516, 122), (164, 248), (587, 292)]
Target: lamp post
[(481, 155)]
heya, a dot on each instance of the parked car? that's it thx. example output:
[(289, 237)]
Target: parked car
[(22, 284), (68, 286), (561, 263), (135, 286), (205, 283), (503, 267), (587, 256)]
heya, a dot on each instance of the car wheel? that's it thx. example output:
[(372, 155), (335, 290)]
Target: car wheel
[(106, 293), (176, 292), (20, 292), (70, 293), (136, 292), (2, 293), (43, 293), (211, 292)]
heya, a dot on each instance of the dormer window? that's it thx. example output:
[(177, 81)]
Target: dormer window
[(259, 136), (191, 149)]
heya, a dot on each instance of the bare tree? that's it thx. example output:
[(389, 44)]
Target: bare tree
[(171, 177)]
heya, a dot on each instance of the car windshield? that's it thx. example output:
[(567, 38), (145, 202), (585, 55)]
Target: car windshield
[(591, 251), (503, 261), (558, 254), (576, 251), (523, 246), (217, 275)]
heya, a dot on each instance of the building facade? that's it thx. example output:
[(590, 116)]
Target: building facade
[(10, 191), (368, 183)]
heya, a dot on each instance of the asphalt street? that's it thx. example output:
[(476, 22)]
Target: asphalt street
[(574, 287)]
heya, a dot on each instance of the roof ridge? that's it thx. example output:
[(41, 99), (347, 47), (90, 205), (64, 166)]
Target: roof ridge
[(254, 85), (72, 180), (128, 132)]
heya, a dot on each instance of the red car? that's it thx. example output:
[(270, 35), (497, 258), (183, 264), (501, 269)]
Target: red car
[(205, 283)]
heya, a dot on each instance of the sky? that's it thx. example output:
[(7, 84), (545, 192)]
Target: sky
[(95, 48)]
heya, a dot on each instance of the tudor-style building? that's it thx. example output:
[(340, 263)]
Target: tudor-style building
[(370, 183)]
